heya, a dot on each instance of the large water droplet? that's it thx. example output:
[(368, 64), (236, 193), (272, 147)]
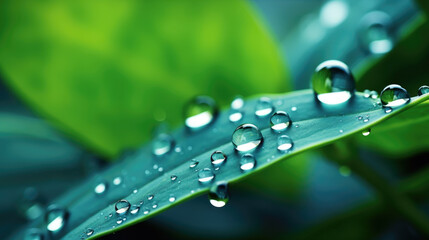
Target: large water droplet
[(217, 158), (423, 90), (199, 112), (162, 144), (247, 162), (284, 143), (264, 107), (122, 206), (375, 34), (101, 187), (218, 194), (280, 121), (246, 137), (333, 83), (205, 175), (55, 218), (394, 96)]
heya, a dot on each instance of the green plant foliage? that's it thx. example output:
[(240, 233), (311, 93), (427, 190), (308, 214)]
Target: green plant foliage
[(170, 176), (105, 71)]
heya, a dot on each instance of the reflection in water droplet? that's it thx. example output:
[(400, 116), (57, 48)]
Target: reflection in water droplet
[(264, 107), (423, 90), (235, 116), (122, 206), (55, 218), (193, 164), (134, 209), (237, 103), (366, 132), (246, 137), (280, 120), (247, 162), (205, 175), (394, 96), (162, 144), (117, 180), (217, 158), (218, 194), (333, 82), (374, 33), (199, 112), (284, 143), (89, 231)]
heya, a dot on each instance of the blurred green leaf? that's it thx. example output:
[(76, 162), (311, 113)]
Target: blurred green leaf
[(105, 71)]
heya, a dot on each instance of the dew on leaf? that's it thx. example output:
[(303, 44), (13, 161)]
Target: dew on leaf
[(264, 107), (423, 90), (247, 162), (56, 218), (217, 158), (117, 181), (218, 194), (279, 121), (394, 96), (200, 112), (134, 209), (122, 206), (205, 175), (162, 144), (246, 137), (100, 188), (284, 143)]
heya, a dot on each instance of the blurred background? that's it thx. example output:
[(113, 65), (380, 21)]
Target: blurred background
[(83, 81)]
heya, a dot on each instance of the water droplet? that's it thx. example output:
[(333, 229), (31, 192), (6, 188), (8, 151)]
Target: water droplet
[(341, 130), (366, 93), (333, 82), (199, 112), (388, 110), (150, 197), (119, 220), (284, 143), (366, 132), (423, 90), (89, 231), (373, 94), (33, 234), (134, 209), (193, 164), (374, 33), (218, 194), (235, 116), (155, 205), (172, 199), (146, 211), (55, 218), (264, 107), (178, 149), (110, 215), (160, 169), (237, 103), (100, 188), (280, 121), (31, 204), (217, 158), (173, 177), (205, 175), (117, 181), (162, 144), (246, 137), (293, 109), (394, 96), (247, 162), (122, 206)]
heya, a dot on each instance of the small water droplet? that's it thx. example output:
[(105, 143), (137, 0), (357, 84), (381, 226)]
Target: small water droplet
[(146, 211), (394, 96), (55, 218), (150, 197), (160, 169), (173, 177), (341, 131), (110, 215), (162, 144), (89, 231), (279, 121), (205, 175), (117, 181), (122, 206), (237, 103), (246, 137), (423, 90), (200, 112), (374, 33), (284, 143), (293, 109), (155, 205), (235, 116), (217, 158), (388, 110), (264, 107), (247, 162), (172, 199), (135, 191), (100, 188), (218, 194), (155, 166), (193, 164), (333, 82), (119, 221), (134, 209), (373, 94), (366, 132), (366, 93)]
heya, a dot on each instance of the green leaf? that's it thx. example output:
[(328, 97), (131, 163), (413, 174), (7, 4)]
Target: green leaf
[(313, 125), (105, 72)]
